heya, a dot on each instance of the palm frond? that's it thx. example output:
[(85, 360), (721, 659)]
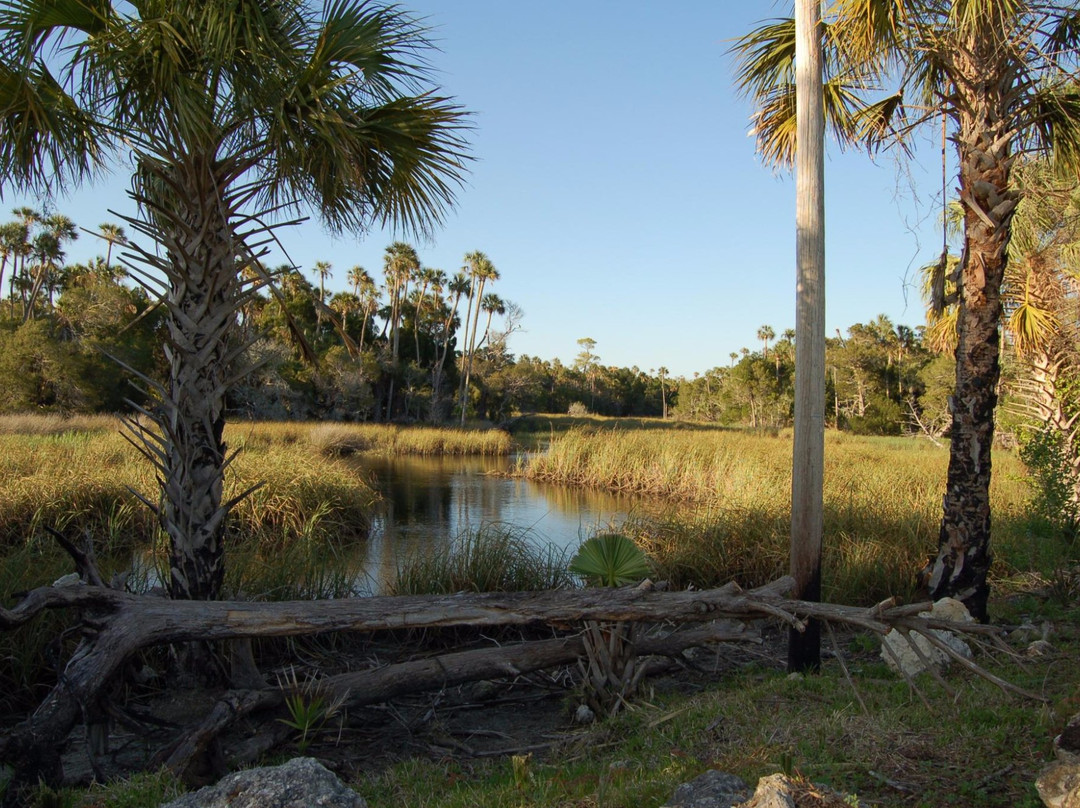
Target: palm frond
[(49, 141), (1031, 325), (765, 58), (1054, 114), (1063, 35)]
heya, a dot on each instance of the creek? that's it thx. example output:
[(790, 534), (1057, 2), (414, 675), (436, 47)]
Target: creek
[(427, 503)]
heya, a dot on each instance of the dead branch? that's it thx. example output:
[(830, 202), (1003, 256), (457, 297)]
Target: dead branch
[(359, 688)]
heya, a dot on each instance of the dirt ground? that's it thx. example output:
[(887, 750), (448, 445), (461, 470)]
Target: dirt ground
[(534, 713)]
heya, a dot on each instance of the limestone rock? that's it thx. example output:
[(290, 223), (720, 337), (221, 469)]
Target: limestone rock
[(299, 783), (713, 789), (1059, 785), (774, 791), (909, 661), (781, 791)]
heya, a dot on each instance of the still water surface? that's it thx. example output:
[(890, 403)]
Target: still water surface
[(430, 502)]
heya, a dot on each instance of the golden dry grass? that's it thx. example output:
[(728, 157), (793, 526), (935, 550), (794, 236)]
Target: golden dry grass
[(882, 503)]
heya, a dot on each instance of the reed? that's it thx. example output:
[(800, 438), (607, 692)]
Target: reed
[(495, 558), (732, 521)]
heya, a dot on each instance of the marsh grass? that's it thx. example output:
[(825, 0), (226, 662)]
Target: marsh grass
[(344, 439), (882, 505), (291, 538), (52, 424), (494, 558)]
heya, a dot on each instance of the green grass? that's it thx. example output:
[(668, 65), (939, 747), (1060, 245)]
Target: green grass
[(138, 791)]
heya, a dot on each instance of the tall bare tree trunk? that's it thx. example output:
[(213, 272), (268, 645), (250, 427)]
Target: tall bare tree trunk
[(808, 461)]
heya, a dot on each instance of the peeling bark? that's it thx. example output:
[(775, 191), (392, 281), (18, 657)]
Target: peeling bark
[(984, 118)]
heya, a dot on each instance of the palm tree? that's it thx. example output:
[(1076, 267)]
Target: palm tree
[(323, 270), (481, 270), (113, 234), (400, 263), (13, 237), (1001, 74), (363, 286), (458, 286), (426, 277), (765, 334), (492, 304), (233, 117), (48, 251), (1040, 315), (795, 93)]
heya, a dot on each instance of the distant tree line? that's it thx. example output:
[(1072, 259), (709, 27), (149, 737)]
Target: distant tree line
[(409, 342), (881, 379)]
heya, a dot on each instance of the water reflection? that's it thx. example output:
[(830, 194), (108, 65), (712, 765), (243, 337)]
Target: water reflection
[(428, 502)]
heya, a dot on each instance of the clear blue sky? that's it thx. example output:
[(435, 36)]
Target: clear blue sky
[(616, 190)]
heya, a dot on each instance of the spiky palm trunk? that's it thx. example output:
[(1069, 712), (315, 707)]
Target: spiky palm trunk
[(190, 215), (983, 142)]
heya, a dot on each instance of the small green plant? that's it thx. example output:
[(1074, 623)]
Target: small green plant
[(610, 670), (1053, 481), (520, 765), (309, 707), (610, 559)]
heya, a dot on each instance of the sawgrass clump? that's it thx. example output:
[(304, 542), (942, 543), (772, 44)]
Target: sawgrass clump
[(495, 558)]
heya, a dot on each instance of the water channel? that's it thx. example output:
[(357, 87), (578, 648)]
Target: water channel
[(430, 502)]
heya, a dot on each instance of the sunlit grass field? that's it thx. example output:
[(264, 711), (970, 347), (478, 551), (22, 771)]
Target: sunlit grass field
[(731, 491)]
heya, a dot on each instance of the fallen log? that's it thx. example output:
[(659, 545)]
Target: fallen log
[(118, 624)]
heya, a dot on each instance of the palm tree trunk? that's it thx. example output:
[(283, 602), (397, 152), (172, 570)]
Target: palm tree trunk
[(808, 456), (192, 224), (963, 559)]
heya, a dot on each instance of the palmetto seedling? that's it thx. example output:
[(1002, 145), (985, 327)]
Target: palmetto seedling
[(610, 670), (309, 706)]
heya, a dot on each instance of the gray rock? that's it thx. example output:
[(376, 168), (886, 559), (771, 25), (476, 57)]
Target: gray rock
[(299, 783), (584, 715), (713, 789), (1059, 785)]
